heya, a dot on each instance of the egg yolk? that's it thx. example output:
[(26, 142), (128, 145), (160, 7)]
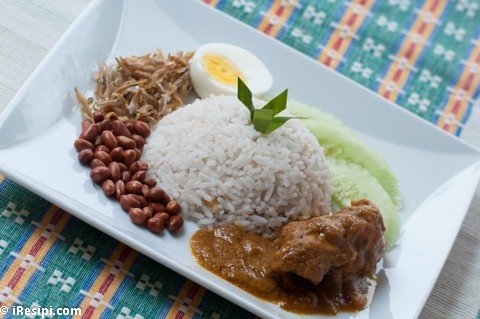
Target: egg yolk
[(221, 69)]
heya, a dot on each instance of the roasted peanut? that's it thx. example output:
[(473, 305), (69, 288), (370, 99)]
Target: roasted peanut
[(142, 128), (173, 208), (115, 171), (133, 187), (127, 202), (145, 190), (125, 142), (138, 154), (116, 153), (138, 166), (129, 157), (139, 140), (126, 177), (103, 156), (102, 148), (163, 216), (100, 127), (123, 167), (99, 174), (107, 124), (148, 211), (140, 176), (156, 225), (119, 129), (86, 156), (156, 194), (151, 182), (174, 223), (157, 207), (85, 124), (166, 199), (141, 199), (96, 163), (108, 139), (89, 133), (114, 149), (82, 144), (108, 187), (137, 215), (119, 189), (98, 116)]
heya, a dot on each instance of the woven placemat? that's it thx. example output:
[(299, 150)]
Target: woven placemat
[(424, 55), (72, 264)]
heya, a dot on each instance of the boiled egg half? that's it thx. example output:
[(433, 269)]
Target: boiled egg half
[(215, 68)]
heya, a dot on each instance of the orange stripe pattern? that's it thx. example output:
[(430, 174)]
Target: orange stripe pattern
[(276, 16), (462, 93), (345, 32), (415, 41)]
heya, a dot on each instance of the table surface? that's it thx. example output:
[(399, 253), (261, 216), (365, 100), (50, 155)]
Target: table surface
[(29, 28)]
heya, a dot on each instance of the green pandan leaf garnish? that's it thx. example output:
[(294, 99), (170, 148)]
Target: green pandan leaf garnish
[(264, 120)]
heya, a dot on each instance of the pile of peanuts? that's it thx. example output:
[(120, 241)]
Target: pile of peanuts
[(113, 150)]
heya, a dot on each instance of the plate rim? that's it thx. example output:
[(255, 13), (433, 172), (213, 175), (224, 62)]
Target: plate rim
[(336, 73), (55, 198)]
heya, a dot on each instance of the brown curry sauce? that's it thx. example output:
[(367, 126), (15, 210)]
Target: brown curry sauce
[(241, 258)]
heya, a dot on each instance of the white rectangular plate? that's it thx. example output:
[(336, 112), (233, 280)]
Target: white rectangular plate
[(438, 173)]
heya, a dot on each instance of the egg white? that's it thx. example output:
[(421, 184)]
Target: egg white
[(256, 75)]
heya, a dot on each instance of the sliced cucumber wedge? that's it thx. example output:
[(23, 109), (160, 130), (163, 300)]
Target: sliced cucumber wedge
[(339, 141), (352, 182)]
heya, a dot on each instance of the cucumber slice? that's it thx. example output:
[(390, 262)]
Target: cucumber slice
[(352, 182), (338, 140)]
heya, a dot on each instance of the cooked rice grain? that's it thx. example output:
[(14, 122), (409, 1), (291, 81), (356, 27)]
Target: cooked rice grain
[(208, 156)]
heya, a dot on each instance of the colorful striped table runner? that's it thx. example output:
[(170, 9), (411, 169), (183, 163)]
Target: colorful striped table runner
[(424, 55), (49, 258)]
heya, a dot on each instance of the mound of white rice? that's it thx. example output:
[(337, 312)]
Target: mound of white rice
[(208, 156)]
